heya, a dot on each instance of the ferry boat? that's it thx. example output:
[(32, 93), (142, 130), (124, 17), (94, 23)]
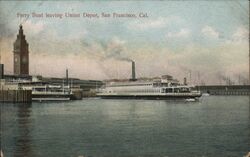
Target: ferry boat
[(156, 89), (51, 93), (159, 88), (45, 91)]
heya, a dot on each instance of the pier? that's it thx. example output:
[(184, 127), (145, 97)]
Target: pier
[(225, 89), (15, 96), (10, 92)]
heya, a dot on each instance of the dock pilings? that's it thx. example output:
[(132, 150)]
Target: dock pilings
[(16, 96)]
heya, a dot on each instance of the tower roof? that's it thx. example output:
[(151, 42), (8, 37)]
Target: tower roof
[(20, 29)]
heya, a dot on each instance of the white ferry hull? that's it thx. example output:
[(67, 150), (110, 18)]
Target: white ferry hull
[(151, 96), (48, 97)]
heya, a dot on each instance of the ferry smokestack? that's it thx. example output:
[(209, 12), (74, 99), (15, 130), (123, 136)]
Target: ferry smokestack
[(133, 70), (133, 78), (185, 81), (67, 77)]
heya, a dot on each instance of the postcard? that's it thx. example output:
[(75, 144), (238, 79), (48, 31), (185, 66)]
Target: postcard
[(124, 78)]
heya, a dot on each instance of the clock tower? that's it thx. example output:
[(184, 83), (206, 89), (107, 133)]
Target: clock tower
[(21, 54)]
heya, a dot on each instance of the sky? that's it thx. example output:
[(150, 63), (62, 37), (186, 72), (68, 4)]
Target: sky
[(205, 41)]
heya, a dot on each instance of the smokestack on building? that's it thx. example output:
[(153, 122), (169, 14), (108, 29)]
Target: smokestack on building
[(1, 71), (133, 78)]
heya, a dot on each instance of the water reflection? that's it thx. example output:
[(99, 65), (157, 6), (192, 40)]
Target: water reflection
[(23, 136)]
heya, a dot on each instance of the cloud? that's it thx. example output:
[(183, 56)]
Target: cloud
[(183, 33), (159, 22), (241, 34), (210, 32), (116, 49), (77, 35), (34, 28), (112, 49)]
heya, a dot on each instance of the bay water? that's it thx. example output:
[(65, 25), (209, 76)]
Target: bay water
[(214, 126)]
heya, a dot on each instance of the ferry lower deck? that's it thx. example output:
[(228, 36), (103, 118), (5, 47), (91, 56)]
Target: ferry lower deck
[(51, 97), (151, 96)]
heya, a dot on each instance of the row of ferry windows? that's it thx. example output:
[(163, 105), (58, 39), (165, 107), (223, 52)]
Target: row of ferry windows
[(138, 90), (131, 85), (167, 90), (175, 90)]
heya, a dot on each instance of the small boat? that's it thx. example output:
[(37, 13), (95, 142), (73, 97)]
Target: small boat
[(190, 100)]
